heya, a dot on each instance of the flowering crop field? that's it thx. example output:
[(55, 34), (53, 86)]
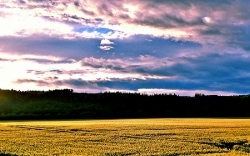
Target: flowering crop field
[(168, 137)]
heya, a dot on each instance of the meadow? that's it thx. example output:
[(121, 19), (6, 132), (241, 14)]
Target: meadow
[(165, 136)]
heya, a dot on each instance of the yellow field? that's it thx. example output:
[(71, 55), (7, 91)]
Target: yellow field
[(169, 137)]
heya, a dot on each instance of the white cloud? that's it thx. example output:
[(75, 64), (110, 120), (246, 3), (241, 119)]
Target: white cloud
[(106, 47), (106, 42), (207, 20)]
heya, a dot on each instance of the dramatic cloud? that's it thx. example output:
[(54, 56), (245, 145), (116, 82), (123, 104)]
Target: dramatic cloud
[(139, 46)]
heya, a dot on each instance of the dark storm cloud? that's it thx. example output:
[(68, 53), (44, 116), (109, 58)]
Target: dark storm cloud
[(22, 2), (38, 72), (102, 63), (5, 60), (213, 71), (50, 61), (134, 85), (76, 83), (37, 82)]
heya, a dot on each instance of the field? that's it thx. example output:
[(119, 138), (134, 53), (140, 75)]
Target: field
[(169, 137)]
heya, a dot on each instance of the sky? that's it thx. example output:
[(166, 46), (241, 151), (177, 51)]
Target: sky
[(146, 46)]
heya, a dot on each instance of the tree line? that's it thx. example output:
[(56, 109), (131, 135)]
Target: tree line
[(66, 104)]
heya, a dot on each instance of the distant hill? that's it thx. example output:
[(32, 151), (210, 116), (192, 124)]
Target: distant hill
[(65, 104)]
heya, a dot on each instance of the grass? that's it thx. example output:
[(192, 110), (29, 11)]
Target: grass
[(168, 137)]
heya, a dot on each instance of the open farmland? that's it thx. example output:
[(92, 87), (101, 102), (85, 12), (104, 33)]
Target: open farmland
[(126, 137)]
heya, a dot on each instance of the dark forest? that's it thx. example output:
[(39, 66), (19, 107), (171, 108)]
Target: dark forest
[(66, 104)]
